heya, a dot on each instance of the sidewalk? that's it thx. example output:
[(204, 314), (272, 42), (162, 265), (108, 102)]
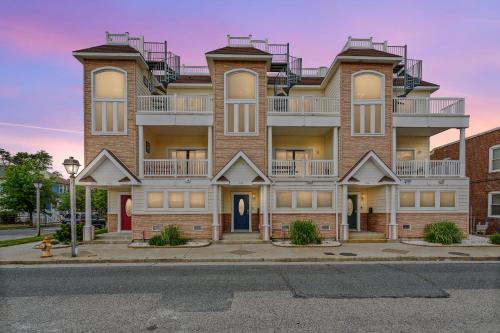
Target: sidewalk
[(121, 253)]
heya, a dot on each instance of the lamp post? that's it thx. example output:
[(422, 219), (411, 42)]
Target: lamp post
[(71, 165), (38, 185)]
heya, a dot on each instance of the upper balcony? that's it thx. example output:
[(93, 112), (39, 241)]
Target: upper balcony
[(175, 110), (302, 111), (435, 113), (428, 168)]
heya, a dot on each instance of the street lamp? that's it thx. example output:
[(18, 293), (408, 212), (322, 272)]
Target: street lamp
[(38, 185), (71, 165)]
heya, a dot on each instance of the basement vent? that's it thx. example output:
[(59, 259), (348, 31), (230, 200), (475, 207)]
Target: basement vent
[(197, 227), (325, 227), (157, 227), (285, 227), (406, 226)]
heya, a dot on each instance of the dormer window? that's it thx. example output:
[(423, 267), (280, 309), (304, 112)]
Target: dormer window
[(241, 103), (109, 101), (367, 116)]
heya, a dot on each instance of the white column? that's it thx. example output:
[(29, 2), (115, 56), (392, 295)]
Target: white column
[(393, 225), (335, 151), (265, 211), (270, 151), (394, 151), (345, 225), (462, 152), (88, 233), (141, 151), (210, 151), (215, 212)]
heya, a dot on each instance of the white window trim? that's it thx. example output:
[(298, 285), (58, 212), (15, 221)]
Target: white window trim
[(166, 208), (414, 150), (242, 101), (294, 207), (170, 149), (490, 159), (490, 203), (380, 102), (105, 100), (437, 201)]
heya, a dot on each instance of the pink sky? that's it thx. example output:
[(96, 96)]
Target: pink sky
[(41, 83)]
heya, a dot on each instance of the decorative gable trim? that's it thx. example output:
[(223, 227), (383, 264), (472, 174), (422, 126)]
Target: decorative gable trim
[(389, 177), (219, 178)]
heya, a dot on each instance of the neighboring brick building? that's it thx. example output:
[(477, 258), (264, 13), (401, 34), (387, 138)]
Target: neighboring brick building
[(251, 141), (483, 170)]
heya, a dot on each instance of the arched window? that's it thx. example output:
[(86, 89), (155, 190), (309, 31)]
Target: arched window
[(109, 101), (241, 102), (367, 103)]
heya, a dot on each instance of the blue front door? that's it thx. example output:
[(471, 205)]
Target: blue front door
[(241, 212)]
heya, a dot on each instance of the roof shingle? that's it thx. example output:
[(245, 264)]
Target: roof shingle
[(238, 51), (366, 53), (109, 49)]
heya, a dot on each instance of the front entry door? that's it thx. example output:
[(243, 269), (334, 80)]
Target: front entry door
[(241, 212), (126, 212), (352, 211)]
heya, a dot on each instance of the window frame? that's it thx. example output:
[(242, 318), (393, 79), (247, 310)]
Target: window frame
[(241, 101), (104, 102), (314, 198), (368, 102), (490, 159), (437, 200), (490, 204), (167, 209)]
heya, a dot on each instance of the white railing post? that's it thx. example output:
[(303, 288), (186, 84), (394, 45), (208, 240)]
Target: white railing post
[(462, 152), (270, 150), (210, 149), (336, 151), (141, 151), (394, 148), (215, 212)]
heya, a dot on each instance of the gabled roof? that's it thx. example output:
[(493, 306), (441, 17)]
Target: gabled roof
[(357, 176), (120, 175), (355, 52), (109, 49), (257, 178), (238, 50)]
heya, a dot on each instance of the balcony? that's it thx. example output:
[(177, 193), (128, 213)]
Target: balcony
[(176, 167), (302, 168), (303, 111), (175, 110), (428, 168)]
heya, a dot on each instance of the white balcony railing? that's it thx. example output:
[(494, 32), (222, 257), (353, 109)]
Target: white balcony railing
[(194, 70), (175, 167), (302, 105), (428, 168), (175, 103), (314, 71), (303, 168), (429, 105)]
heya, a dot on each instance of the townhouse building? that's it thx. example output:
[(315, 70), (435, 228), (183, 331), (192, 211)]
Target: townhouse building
[(252, 141), (483, 170)]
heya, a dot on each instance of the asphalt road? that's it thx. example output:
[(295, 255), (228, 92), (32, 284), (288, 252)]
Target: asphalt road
[(24, 232), (354, 297)]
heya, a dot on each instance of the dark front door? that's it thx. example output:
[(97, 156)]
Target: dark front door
[(352, 211), (241, 212), (126, 212)]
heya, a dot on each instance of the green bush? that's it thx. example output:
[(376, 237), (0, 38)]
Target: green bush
[(495, 238), (169, 236), (443, 232), (64, 233), (303, 232)]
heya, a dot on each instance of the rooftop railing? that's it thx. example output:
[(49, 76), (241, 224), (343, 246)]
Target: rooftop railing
[(194, 70)]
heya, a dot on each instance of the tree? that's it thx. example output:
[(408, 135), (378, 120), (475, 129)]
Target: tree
[(4, 157), (40, 160), (99, 200)]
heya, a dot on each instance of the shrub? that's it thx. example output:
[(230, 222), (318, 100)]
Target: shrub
[(169, 236), (495, 238), (303, 232), (64, 233), (443, 232)]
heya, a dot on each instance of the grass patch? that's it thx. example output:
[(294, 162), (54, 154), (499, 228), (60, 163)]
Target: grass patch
[(495, 239), (443, 232), (12, 242), (8, 226), (101, 231), (304, 232), (169, 236)]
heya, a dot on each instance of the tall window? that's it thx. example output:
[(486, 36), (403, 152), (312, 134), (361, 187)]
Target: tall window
[(368, 104), (495, 158), (494, 204), (241, 103), (109, 115)]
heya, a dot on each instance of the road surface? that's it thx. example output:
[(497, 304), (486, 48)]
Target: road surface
[(343, 297), (25, 232)]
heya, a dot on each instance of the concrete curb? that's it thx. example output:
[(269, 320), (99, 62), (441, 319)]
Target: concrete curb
[(241, 260), (187, 246), (453, 245), (316, 246)]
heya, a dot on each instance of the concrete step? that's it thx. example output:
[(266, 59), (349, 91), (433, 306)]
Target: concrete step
[(366, 237), (241, 238)]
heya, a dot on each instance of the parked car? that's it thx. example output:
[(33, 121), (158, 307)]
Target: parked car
[(97, 221)]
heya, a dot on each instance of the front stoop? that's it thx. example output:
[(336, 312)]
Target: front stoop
[(241, 238), (112, 238), (366, 237)]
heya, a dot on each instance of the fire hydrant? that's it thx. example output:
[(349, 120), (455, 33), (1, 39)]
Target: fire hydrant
[(45, 247)]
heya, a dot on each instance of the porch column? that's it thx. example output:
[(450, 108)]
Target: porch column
[(462, 152), (88, 230), (345, 225), (265, 211), (210, 157), (270, 151), (394, 149), (335, 153), (215, 212), (141, 151), (393, 227)]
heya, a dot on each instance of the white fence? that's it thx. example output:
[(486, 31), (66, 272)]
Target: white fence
[(428, 168), (175, 103), (429, 105), (302, 104), (175, 167), (303, 168)]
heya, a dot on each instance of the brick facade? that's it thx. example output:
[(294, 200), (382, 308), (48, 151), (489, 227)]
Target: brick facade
[(142, 225), (112, 222), (418, 221), (317, 219)]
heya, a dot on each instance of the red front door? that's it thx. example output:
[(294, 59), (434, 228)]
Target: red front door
[(126, 212)]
